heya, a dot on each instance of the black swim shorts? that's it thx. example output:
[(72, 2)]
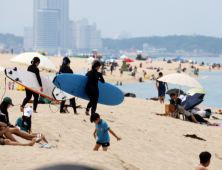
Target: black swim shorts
[(104, 144)]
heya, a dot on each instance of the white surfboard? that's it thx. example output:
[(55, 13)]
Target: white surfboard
[(29, 81)]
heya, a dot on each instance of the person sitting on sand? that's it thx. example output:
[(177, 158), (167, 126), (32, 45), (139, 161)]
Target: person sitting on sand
[(7, 102), (101, 132), (8, 139), (24, 123), (204, 161), (190, 116)]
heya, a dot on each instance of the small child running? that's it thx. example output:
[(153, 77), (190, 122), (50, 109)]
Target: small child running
[(101, 132)]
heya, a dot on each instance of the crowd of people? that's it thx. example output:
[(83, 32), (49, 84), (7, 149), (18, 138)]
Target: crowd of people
[(22, 126)]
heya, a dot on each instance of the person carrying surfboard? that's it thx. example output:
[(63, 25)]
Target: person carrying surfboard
[(92, 90), (65, 68), (34, 69)]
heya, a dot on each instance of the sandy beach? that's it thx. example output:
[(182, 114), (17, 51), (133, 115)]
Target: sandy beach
[(149, 141)]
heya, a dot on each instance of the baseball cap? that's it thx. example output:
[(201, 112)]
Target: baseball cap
[(28, 112), (8, 100)]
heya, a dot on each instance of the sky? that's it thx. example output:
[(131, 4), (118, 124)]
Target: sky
[(140, 18)]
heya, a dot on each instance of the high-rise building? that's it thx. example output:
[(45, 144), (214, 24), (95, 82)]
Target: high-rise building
[(84, 36), (51, 25), (28, 39)]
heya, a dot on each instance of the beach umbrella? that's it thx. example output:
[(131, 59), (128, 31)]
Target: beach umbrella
[(2, 69), (26, 58), (111, 60), (192, 96), (192, 103), (128, 60), (123, 57), (90, 59), (176, 91), (181, 79), (196, 90)]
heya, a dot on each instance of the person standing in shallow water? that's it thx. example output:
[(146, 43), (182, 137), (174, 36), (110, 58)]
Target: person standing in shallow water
[(34, 69), (92, 90), (161, 88)]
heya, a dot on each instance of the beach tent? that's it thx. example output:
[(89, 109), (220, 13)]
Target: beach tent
[(2, 69), (123, 57), (150, 61), (178, 59), (26, 58), (20, 88), (124, 66)]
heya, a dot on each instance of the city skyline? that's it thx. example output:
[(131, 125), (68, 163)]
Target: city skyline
[(140, 18)]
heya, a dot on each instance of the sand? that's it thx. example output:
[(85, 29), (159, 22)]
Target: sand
[(149, 141)]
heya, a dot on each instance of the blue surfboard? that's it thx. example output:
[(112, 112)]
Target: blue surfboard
[(75, 85)]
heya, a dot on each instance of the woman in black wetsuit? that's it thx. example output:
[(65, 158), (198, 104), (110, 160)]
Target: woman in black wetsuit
[(65, 68), (33, 68), (91, 89)]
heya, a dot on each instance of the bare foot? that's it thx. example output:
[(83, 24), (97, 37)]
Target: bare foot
[(34, 111), (87, 113), (22, 109), (32, 142), (66, 109), (76, 113)]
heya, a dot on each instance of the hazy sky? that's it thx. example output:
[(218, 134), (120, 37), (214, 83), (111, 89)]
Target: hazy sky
[(137, 17)]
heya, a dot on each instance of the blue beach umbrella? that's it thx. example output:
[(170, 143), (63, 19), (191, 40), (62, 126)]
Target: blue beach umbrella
[(192, 103), (192, 100)]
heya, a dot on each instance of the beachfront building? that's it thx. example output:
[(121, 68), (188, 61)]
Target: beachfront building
[(28, 39), (84, 36), (51, 25), (152, 49)]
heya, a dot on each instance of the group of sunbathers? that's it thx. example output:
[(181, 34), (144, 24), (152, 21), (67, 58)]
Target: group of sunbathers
[(192, 115), (21, 128)]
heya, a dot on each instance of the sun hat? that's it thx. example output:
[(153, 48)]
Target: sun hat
[(28, 112), (8, 100)]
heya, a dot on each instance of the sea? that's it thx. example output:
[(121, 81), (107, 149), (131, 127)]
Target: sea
[(210, 80)]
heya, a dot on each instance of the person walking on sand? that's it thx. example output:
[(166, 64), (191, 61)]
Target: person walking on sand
[(204, 161), (65, 68), (13, 85), (161, 88), (9, 85), (121, 72), (102, 133), (92, 90), (34, 69), (111, 69)]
